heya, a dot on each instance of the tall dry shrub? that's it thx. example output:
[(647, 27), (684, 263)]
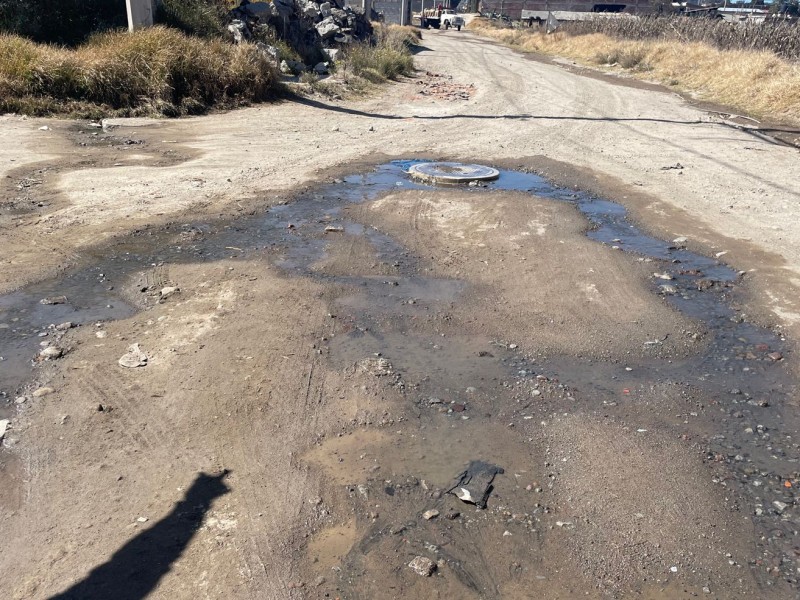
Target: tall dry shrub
[(154, 70)]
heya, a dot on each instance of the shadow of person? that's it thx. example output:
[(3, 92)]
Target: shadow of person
[(135, 569)]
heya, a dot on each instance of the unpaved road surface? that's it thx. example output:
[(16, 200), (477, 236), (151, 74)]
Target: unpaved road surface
[(328, 345)]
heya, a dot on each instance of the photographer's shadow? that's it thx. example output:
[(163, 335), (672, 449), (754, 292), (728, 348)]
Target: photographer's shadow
[(135, 569)]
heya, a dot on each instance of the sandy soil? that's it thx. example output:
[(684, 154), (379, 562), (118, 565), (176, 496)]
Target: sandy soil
[(291, 426)]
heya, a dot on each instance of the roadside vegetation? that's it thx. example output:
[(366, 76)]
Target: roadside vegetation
[(186, 65), (713, 61), (389, 57), (154, 71)]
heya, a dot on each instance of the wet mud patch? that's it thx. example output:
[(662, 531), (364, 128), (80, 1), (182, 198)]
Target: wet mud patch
[(635, 515), (395, 481), (485, 312)]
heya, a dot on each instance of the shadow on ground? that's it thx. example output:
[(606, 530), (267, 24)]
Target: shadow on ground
[(135, 569)]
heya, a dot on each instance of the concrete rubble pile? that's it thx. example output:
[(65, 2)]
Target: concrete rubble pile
[(311, 28)]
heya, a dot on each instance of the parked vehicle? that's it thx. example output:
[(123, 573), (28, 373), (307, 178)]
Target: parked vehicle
[(441, 18)]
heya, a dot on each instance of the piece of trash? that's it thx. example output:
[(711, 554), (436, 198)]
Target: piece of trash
[(44, 128), (134, 358), (422, 566), (53, 300), (332, 229), (665, 276), (475, 484)]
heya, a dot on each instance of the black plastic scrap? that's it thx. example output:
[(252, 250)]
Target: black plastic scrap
[(475, 484)]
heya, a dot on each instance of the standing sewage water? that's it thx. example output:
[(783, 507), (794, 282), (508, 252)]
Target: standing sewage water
[(697, 286)]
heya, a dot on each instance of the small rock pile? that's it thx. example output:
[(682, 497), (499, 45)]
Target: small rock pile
[(441, 87), (304, 24)]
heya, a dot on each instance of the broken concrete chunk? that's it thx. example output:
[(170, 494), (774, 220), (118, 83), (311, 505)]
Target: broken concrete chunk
[(134, 358), (475, 484), (422, 566), (332, 53), (327, 28)]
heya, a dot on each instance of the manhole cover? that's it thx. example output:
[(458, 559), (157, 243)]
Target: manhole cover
[(447, 173)]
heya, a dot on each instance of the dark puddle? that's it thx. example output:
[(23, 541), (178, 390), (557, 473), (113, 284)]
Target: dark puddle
[(741, 370)]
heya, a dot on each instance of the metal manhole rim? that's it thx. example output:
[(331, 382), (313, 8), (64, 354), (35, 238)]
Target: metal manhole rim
[(452, 173)]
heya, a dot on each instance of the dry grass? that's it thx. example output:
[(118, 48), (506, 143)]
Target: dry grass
[(157, 70), (753, 82), (388, 57), (780, 37)]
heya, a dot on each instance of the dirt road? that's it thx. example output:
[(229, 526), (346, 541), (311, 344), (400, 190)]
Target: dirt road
[(329, 344)]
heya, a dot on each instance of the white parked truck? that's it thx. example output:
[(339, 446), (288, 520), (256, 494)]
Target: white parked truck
[(441, 18)]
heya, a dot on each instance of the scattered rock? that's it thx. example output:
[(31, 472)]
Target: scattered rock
[(452, 515), (780, 506), (4, 423), (65, 326), (422, 566), (53, 300), (667, 289), (379, 367), (321, 68), (51, 352), (430, 514), (42, 391), (168, 291), (775, 356), (134, 358), (101, 334), (334, 229)]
